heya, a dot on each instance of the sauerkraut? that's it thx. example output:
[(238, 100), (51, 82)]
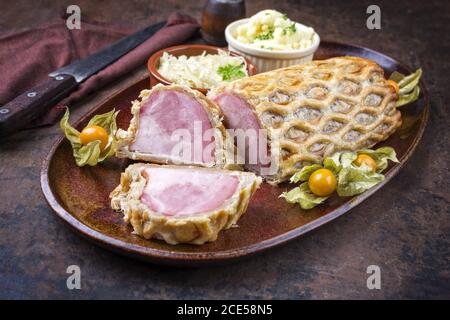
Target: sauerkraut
[(202, 71)]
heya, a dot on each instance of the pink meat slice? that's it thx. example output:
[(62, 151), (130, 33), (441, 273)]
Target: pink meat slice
[(187, 191), (239, 115), (163, 113)]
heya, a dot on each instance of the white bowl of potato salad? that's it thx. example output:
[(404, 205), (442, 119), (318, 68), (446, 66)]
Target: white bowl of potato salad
[(270, 40)]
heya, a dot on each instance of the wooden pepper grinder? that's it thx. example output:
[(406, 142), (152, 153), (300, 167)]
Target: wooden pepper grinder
[(217, 14)]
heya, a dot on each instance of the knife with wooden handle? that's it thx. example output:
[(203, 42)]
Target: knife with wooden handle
[(33, 103)]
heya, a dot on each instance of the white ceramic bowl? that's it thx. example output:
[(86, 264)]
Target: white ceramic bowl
[(264, 59)]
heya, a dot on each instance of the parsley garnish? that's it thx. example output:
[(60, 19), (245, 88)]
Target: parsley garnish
[(267, 35), (290, 29), (231, 71)]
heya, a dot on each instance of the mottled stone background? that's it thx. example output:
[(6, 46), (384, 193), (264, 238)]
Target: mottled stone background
[(404, 228)]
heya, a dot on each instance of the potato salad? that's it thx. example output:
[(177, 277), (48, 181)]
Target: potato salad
[(272, 30)]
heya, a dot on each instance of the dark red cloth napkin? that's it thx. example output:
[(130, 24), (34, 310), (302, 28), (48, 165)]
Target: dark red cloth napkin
[(27, 57)]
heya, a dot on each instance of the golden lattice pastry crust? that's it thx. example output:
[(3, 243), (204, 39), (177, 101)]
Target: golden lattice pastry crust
[(224, 148), (196, 229), (320, 107)]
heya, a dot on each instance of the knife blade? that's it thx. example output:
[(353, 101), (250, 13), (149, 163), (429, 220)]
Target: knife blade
[(19, 112)]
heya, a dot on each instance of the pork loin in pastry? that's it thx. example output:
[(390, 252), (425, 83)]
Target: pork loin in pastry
[(182, 204), (175, 124), (314, 109)]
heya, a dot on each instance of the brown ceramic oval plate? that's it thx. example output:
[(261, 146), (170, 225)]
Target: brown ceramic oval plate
[(80, 195)]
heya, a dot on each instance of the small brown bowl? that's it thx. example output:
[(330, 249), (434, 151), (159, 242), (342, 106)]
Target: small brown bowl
[(187, 50)]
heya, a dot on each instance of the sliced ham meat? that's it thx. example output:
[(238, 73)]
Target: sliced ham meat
[(239, 115), (165, 112), (182, 204), (173, 192), (174, 124)]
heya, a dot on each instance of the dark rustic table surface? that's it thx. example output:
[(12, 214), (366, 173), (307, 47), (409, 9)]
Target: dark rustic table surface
[(404, 228)]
